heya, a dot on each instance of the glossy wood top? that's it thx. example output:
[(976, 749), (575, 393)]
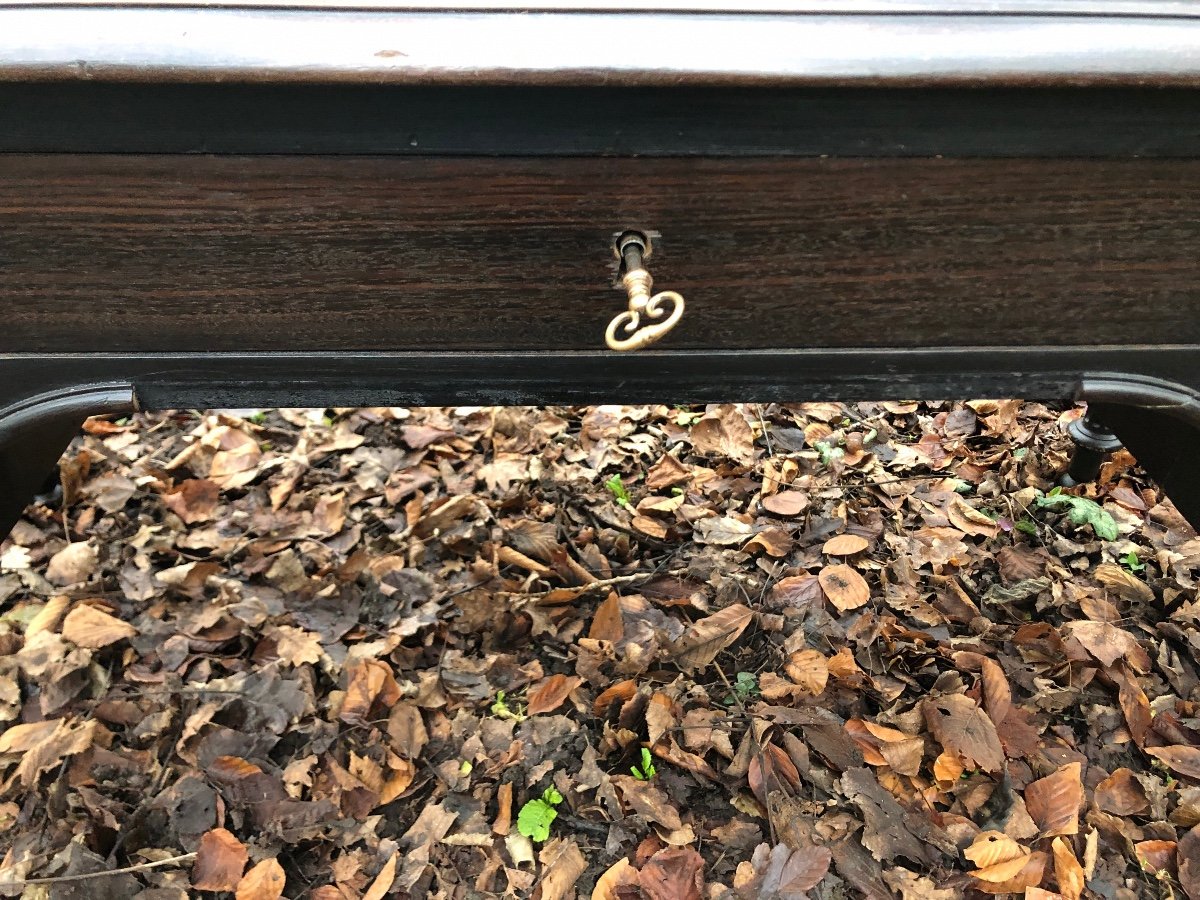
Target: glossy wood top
[(907, 42)]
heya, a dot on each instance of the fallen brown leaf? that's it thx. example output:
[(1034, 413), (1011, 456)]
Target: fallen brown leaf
[(707, 637), (265, 881), (844, 587), (676, 873), (1053, 802), (961, 726), (845, 545), (220, 859), (86, 626), (1067, 870), (550, 694)]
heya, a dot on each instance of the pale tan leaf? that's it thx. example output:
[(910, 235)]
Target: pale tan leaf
[(808, 669), (992, 847), (966, 518), (72, 564), (845, 545), (48, 616), (1108, 643), (844, 587), (1053, 802), (220, 859), (86, 626), (43, 751), (562, 864), (383, 881), (1123, 583), (265, 881), (1067, 870)]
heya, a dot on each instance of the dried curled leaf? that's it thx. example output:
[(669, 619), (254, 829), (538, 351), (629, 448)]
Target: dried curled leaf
[(1180, 758), (998, 858), (1123, 583)]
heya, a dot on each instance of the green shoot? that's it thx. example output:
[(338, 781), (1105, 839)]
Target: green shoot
[(501, 710), (647, 771), (620, 494), (1132, 563), (745, 687), (536, 815)]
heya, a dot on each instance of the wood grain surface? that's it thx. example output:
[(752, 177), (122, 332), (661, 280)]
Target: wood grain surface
[(193, 253)]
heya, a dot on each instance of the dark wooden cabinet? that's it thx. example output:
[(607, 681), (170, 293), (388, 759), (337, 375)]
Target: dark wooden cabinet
[(247, 204)]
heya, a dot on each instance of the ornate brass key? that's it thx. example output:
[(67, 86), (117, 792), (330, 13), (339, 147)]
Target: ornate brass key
[(636, 321)]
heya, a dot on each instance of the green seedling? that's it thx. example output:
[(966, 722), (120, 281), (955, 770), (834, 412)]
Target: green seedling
[(745, 687), (536, 815), (617, 488), (829, 454), (501, 709), (1082, 511), (1132, 563), (647, 771)]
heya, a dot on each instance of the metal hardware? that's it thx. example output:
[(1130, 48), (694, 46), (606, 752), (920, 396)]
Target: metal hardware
[(1094, 442), (635, 321)]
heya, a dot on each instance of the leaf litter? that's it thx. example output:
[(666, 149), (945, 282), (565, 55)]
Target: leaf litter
[(677, 653)]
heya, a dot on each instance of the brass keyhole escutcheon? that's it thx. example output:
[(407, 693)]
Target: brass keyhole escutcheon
[(638, 326)]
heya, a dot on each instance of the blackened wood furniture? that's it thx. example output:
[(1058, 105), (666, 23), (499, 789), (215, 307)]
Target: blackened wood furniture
[(303, 204)]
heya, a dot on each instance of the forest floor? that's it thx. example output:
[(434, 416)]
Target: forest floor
[(673, 653)]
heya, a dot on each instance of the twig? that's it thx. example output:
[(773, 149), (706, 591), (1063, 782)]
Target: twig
[(618, 581), (89, 875)]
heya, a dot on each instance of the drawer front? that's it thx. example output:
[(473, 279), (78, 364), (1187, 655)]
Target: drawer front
[(199, 253)]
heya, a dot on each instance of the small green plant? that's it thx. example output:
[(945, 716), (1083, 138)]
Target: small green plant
[(745, 687), (258, 418), (1027, 525), (1132, 563), (647, 771), (501, 709), (536, 815), (617, 488), (1082, 511), (829, 454)]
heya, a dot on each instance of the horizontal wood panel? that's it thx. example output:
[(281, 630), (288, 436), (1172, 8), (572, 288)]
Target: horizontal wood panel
[(176, 253)]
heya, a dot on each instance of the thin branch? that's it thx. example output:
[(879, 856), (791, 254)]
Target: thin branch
[(86, 876)]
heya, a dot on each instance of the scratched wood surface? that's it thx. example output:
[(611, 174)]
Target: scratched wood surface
[(194, 253)]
